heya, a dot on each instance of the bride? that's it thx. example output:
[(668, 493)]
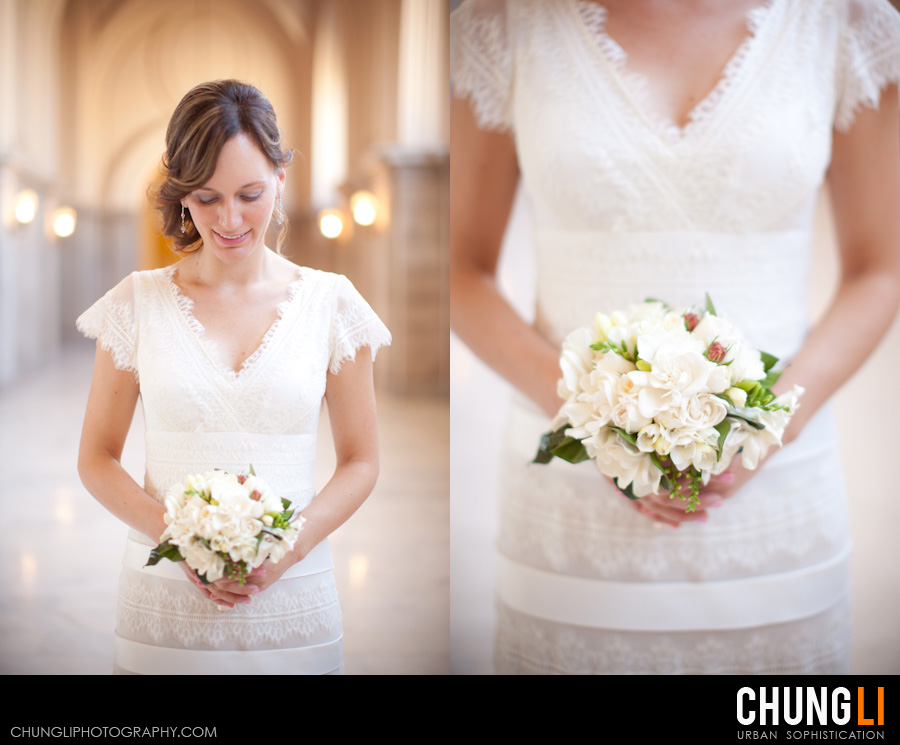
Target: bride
[(670, 149), (231, 351)]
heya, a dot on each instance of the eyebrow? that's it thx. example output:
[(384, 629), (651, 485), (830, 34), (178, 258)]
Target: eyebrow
[(245, 186)]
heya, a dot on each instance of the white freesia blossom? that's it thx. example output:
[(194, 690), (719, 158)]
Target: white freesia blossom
[(225, 524), (653, 392)]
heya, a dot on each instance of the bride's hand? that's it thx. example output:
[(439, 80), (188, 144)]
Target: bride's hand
[(669, 509), (226, 592)]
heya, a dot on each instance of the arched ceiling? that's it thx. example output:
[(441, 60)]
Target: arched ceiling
[(132, 61)]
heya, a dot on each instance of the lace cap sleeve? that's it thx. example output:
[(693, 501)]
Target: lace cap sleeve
[(869, 57), (481, 61), (353, 325), (112, 321)]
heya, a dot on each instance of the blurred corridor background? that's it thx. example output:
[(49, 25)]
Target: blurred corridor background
[(361, 91)]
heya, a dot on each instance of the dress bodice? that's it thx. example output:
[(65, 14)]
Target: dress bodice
[(628, 205), (199, 414)]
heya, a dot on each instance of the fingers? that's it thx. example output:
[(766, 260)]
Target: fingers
[(671, 510), (227, 592)]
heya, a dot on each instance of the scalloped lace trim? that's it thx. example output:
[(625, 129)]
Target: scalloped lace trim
[(529, 646), (358, 328), (871, 48), (113, 327), (291, 612), (186, 305), (636, 86)]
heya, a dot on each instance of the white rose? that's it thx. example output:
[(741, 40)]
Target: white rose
[(621, 461), (697, 450), (576, 361), (626, 412), (676, 376), (204, 561), (695, 414)]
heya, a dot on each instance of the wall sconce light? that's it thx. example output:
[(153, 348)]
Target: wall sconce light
[(64, 222), (331, 223), (364, 206), (26, 206)]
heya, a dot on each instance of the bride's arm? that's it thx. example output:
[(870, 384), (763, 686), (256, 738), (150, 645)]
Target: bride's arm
[(483, 181), (864, 180), (350, 397), (110, 409)]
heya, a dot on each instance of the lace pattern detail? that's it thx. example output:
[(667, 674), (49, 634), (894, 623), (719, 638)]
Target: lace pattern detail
[(111, 321), (170, 613), (871, 57), (529, 646), (594, 17), (481, 63), (186, 306), (567, 519), (355, 325)]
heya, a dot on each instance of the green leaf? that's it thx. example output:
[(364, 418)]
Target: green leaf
[(164, 550), (768, 360), (544, 453), (755, 425), (571, 450), (771, 379), (252, 472), (559, 445), (627, 491), (723, 428), (710, 308), (622, 433)]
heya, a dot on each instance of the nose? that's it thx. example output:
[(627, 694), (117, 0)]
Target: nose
[(230, 216)]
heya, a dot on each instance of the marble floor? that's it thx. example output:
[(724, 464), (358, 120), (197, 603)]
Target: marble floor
[(62, 550)]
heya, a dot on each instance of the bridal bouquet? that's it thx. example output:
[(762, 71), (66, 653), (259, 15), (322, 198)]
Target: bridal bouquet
[(664, 398), (225, 525)]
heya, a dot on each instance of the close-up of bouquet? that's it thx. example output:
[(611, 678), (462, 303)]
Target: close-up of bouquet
[(225, 525), (663, 398)]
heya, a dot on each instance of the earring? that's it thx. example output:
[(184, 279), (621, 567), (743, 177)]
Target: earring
[(183, 229), (279, 210)]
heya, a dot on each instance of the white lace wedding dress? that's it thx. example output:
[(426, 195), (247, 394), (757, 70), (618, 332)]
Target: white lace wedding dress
[(627, 206), (199, 414)]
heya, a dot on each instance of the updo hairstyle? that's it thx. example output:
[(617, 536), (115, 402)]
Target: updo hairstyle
[(208, 116)]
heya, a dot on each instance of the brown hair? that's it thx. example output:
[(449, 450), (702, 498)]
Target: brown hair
[(205, 119)]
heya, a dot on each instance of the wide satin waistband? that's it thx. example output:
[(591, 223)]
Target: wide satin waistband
[(148, 659), (757, 280), (234, 447), (674, 606), (137, 553)]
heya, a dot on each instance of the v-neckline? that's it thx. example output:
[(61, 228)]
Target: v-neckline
[(634, 86), (209, 347)]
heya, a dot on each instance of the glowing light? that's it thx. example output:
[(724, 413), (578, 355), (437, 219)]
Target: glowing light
[(359, 570), (26, 206), (364, 205), (28, 568), (64, 222), (331, 224)]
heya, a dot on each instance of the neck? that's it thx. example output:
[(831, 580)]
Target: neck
[(211, 271)]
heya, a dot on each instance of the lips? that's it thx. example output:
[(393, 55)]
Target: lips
[(231, 240)]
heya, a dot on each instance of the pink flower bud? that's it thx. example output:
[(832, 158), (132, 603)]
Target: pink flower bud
[(242, 478), (691, 320), (255, 494), (716, 352)]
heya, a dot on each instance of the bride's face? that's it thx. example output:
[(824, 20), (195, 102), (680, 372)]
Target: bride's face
[(232, 210)]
